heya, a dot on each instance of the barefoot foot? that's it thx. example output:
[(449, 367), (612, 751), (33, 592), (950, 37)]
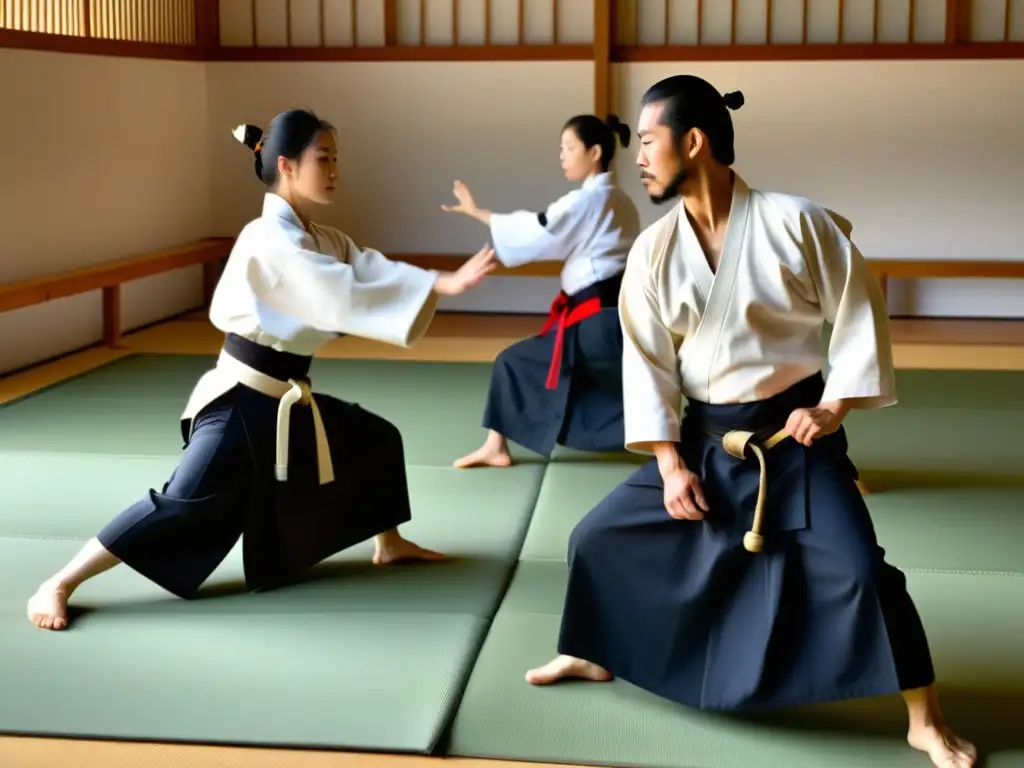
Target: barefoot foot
[(48, 607), (485, 456), (395, 549), (567, 666), (944, 748)]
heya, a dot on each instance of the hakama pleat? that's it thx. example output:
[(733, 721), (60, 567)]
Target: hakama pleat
[(584, 412), (225, 487), (681, 609)]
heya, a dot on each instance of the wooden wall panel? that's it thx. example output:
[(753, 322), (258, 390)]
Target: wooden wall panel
[(714, 25), (168, 22), (359, 23), (509, 30)]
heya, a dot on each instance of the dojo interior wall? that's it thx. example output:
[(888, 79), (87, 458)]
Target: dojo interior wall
[(112, 156), (103, 157), (923, 156)]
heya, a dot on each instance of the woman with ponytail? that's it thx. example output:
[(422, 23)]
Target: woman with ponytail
[(564, 385), (299, 476)]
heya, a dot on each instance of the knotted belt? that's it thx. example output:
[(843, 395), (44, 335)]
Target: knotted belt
[(560, 317), (736, 443), (291, 392)]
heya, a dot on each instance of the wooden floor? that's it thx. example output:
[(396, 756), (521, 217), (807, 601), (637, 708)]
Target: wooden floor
[(16, 752), (929, 344), (986, 345)]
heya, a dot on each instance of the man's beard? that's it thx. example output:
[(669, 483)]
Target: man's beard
[(671, 190)]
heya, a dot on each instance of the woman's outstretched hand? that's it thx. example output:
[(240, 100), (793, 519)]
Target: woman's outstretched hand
[(466, 205), (469, 275)]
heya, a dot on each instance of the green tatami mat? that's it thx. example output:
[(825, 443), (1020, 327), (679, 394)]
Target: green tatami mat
[(969, 529), (323, 663), (73, 495), (975, 625), (132, 406), (568, 492), (960, 529), (943, 427), (320, 677), (479, 519)]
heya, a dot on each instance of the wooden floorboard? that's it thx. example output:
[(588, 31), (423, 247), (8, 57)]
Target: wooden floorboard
[(917, 343), (23, 383), (24, 752), (451, 339)]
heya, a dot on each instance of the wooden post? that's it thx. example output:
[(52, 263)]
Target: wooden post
[(603, 10), (207, 18), (391, 21), (958, 21), (112, 316), (211, 276)]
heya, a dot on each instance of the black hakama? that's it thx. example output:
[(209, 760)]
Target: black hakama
[(225, 487), (544, 392), (681, 609)]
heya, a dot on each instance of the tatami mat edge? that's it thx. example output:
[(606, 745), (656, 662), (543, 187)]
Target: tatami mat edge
[(25, 383)]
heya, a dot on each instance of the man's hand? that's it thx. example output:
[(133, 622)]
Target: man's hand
[(808, 424), (684, 498)]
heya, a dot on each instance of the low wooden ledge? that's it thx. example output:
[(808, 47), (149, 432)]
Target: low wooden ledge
[(938, 269), (883, 269), (108, 276), (447, 262)]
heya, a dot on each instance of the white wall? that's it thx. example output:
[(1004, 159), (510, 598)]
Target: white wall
[(108, 157), (923, 156), (103, 158)]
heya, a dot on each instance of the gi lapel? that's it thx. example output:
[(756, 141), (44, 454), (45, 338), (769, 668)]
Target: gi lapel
[(717, 288)]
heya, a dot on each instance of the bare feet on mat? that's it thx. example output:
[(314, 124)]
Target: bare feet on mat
[(944, 748), (48, 607), (566, 667), (493, 453), (391, 549), (484, 457)]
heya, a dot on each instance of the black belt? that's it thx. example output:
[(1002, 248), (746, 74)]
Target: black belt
[(282, 366)]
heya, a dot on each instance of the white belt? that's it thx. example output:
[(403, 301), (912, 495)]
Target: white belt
[(289, 393)]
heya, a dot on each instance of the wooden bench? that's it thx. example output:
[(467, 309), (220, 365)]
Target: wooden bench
[(109, 276), (922, 343), (977, 344)]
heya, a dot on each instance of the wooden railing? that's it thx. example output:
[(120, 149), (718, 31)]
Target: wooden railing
[(149, 28), (883, 269), (610, 30), (937, 269), (813, 29), (965, 344), (111, 275)]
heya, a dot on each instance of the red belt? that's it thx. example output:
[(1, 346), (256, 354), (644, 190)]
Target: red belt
[(561, 317)]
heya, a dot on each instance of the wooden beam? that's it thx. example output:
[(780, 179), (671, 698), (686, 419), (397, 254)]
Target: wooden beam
[(603, 10), (958, 21), (922, 269), (106, 275), (947, 268), (112, 316), (391, 21), (819, 52), (39, 41), (444, 262), (527, 52), (207, 18)]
